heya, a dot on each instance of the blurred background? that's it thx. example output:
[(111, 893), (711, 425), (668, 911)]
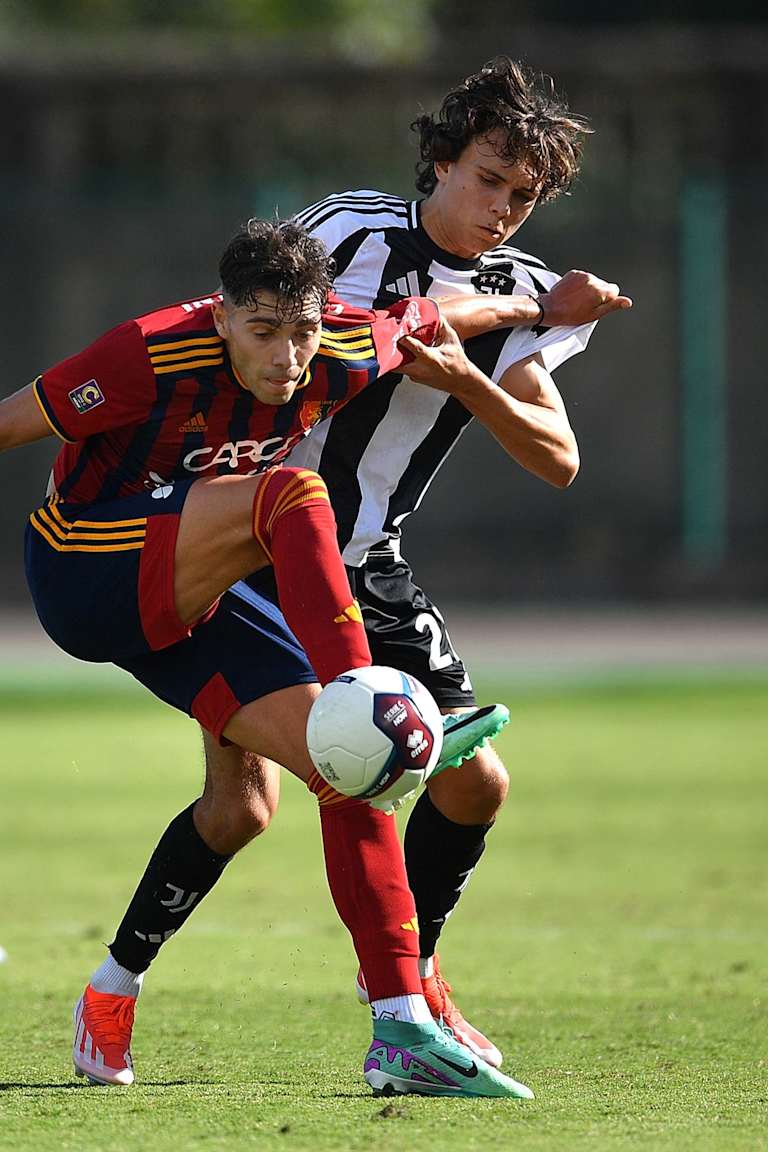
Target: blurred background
[(623, 620), (137, 136)]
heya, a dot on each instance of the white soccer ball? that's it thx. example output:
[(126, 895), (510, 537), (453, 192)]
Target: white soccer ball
[(375, 733)]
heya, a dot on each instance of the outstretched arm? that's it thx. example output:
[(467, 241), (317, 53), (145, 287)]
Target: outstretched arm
[(21, 420), (577, 298), (524, 412)]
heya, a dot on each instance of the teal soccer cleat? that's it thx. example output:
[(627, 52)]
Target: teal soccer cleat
[(422, 1059), (465, 732)]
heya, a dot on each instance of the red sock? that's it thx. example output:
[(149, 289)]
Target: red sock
[(294, 523), (366, 874)]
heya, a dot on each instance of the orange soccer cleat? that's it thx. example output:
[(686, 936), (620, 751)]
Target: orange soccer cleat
[(103, 1026), (437, 993)]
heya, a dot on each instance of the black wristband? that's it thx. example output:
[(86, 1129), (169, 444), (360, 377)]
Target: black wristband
[(537, 323)]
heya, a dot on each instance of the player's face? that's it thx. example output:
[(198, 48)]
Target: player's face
[(269, 354), (479, 200)]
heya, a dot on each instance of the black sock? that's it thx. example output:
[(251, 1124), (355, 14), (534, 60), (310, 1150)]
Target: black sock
[(439, 856), (181, 871)]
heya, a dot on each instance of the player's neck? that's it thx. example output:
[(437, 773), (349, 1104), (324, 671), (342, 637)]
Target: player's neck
[(436, 225)]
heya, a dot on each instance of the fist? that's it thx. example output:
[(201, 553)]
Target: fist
[(581, 298)]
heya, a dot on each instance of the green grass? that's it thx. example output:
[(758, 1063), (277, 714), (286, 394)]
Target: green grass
[(614, 940)]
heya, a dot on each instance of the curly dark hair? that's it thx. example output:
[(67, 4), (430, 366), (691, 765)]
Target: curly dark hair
[(540, 129), (277, 256)]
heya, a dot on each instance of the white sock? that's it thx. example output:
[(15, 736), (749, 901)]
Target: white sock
[(111, 977), (426, 966), (408, 1009)]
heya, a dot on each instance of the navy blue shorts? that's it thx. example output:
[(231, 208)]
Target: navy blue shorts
[(101, 579)]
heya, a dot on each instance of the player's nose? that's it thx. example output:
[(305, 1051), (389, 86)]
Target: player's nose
[(284, 355), (500, 206)]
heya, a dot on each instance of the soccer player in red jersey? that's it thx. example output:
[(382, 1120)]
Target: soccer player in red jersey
[(163, 496)]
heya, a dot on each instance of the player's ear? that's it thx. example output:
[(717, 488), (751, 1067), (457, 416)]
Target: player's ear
[(441, 170), (220, 319)]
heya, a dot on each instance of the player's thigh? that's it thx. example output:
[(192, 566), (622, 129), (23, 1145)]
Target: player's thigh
[(242, 659), (406, 630), (276, 727), (215, 544), (238, 777)]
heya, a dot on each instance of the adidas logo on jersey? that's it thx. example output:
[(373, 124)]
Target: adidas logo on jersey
[(407, 285), (196, 423)]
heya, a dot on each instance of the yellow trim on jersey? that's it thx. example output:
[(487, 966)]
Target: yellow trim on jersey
[(368, 354), (352, 344), (305, 378), (345, 333), (188, 355), (46, 417), (152, 348), (183, 367)]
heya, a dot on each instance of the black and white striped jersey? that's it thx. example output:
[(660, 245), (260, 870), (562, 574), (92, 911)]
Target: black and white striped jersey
[(378, 455)]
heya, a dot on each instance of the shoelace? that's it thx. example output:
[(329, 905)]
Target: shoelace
[(445, 990), (111, 1024)]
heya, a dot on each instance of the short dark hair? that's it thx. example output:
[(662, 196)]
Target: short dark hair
[(277, 256), (506, 95)]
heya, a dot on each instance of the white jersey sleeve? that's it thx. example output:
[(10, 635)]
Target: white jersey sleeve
[(555, 345)]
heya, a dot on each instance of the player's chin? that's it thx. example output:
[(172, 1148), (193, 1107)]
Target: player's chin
[(271, 392)]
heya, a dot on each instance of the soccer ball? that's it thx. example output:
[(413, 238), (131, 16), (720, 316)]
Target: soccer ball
[(375, 733)]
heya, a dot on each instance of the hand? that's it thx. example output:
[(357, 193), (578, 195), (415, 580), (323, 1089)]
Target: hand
[(443, 364), (581, 298)]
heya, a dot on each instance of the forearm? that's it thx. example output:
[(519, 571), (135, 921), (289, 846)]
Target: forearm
[(473, 315), (21, 420), (539, 438), (577, 298)]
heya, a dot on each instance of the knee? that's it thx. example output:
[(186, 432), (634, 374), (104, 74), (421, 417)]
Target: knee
[(238, 806), (474, 793), (227, 825), (493, 783), (258, 806)]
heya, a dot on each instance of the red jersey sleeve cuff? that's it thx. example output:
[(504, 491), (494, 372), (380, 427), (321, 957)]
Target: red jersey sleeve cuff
[(430, 325)]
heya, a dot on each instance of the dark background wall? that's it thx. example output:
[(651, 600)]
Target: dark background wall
[(127, 160)]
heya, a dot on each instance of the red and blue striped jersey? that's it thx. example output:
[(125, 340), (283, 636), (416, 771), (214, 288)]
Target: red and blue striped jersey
[(156, 399)]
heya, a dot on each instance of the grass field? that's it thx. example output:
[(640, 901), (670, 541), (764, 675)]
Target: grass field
[(614, 940)]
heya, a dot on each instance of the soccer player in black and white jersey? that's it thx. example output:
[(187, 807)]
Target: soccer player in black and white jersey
[(502, 143)]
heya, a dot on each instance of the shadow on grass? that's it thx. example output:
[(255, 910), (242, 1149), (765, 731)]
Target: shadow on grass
[(78, 1086)]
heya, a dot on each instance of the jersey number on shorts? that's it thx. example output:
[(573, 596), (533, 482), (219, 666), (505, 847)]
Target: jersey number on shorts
[(424, 622)]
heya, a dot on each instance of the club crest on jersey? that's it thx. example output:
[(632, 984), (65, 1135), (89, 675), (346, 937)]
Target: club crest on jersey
[(86, 396), (494, 283), (312, 411)]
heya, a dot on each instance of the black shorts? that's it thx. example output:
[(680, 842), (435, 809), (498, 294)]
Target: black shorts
[(406, 630)]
